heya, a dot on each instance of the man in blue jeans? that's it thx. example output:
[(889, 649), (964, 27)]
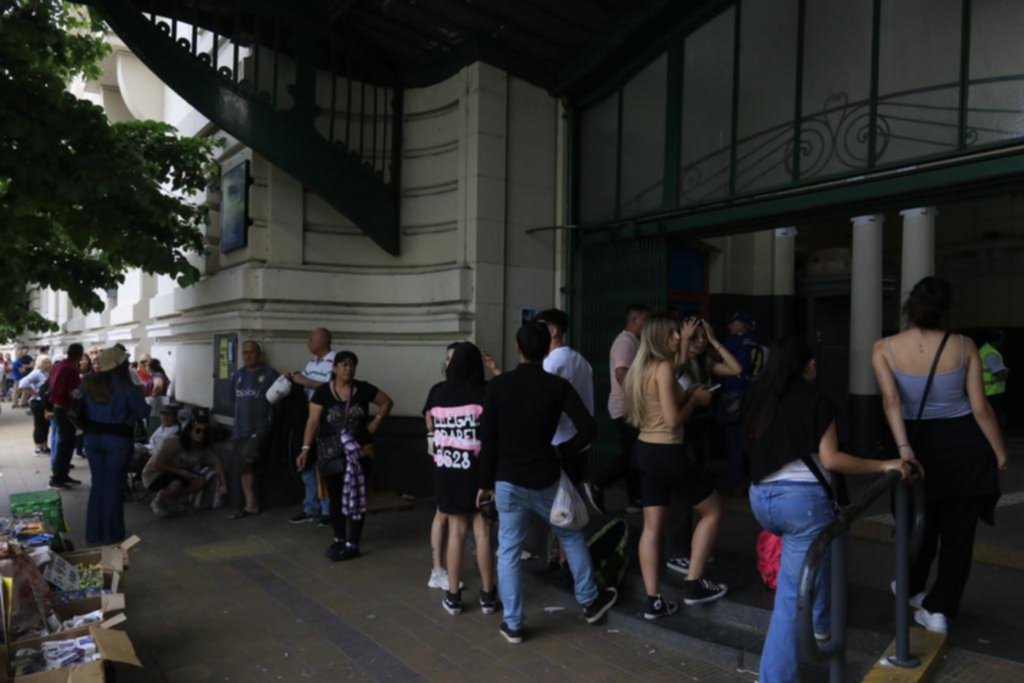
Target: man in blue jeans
[(520, 470), (317, 371)]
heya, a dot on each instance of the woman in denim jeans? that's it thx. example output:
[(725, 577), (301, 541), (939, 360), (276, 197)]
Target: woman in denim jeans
[(790, 432)]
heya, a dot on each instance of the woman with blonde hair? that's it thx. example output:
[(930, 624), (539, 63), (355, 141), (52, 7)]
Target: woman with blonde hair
[(658, 407)]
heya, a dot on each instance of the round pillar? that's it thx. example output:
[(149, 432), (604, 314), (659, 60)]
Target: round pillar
[(918, 247), (784, 281), (865, 328)]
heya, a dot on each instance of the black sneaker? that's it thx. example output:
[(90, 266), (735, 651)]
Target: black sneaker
[(514, 636), (452, 603), (658, 607), (323, 521), (703, 591), (350, 552), (58, 486), (301, 518), (73, 482), (597, 609), (335, 551), (489, 601)]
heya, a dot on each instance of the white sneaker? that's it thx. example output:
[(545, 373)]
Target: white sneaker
[(915, 600), (933, 621), (158, 508), (438, 579)]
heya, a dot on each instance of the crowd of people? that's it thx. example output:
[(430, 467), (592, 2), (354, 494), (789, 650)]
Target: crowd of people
[(681, 401)]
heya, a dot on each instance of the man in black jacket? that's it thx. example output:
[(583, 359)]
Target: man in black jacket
[(520, 468)]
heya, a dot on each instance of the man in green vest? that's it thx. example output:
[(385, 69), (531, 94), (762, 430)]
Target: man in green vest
[(994, 374)]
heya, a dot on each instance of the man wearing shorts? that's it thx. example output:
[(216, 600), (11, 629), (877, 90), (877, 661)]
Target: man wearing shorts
[(249, 387)]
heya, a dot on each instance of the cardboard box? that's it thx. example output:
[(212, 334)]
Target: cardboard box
[(112, 557), (45, 503), (113, 646)]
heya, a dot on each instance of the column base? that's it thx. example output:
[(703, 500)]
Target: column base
[(866, 432)]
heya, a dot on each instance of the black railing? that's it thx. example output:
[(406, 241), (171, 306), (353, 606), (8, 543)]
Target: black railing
[(909, 511)]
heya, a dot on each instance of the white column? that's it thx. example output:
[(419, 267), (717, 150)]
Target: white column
[(784, 267), (865, 301), (918, 247)]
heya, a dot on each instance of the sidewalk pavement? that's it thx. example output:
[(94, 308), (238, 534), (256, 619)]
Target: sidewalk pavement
[(210, 599)]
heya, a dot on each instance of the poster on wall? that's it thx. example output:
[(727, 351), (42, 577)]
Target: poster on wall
[(234, 208), (225, 359)]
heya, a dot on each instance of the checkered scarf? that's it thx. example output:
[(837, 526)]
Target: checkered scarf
[(353, 491)]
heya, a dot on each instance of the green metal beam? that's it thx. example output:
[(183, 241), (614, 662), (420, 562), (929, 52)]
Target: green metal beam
[(893, 190), (286, 138)]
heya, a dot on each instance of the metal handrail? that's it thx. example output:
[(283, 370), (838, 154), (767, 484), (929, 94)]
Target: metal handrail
[(833, 538)]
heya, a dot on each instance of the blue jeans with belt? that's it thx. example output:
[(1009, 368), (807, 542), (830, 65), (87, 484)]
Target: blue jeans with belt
[(797, 511), (516, 505), (108, 460)]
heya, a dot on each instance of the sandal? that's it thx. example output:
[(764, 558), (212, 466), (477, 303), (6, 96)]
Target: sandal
[(242, 513)]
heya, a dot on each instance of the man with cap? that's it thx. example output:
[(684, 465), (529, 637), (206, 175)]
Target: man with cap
[(743, 345)]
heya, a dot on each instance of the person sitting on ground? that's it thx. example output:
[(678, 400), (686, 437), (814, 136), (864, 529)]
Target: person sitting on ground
[(455, 407), (519, 470), (251, 410), (789, 429), (657, 406), (174, 471), (167, 428), (33, 383)]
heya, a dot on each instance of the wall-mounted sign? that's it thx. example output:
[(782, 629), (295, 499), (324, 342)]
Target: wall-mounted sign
[(234, 208)]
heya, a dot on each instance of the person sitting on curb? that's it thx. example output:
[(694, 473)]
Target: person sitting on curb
[(174, 471), (168, 427)]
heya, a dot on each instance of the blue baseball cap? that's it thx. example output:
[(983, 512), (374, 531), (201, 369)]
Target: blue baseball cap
[(743, 317)]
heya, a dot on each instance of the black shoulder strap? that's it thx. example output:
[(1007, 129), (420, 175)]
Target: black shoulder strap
[(931, 375), (820, 476)]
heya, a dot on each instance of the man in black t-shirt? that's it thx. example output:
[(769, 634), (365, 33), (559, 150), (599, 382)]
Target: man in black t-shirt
[(520, 470)]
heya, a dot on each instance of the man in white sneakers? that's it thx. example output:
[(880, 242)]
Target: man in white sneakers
[(318, 371)]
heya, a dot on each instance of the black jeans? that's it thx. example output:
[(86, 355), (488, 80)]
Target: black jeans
[(65, 444), (622, 465), (40, 425), (949, 533), (346, 528)]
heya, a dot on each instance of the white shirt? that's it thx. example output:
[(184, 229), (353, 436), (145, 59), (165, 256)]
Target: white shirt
[(160, 435), (622, 353), (319, 370), (34, 380), (798, 471), (570, 365)]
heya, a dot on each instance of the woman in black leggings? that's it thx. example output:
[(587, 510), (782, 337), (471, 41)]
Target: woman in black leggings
[(339, 419)]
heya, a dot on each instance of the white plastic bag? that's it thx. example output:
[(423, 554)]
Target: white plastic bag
[(281, 387), (568, 511)]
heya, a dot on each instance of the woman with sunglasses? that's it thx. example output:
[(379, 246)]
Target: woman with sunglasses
[(339, 418), (174, 472), (112, 405)]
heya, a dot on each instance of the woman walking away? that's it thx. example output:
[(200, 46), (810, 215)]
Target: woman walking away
[(339, 419), (113, 404), (455, 408), (950, 428), (790, 434), (658, 407)]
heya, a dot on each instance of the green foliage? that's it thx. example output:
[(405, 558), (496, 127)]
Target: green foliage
[(82, 200)]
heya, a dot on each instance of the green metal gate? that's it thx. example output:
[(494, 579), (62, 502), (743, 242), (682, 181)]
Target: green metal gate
[(615, 275)]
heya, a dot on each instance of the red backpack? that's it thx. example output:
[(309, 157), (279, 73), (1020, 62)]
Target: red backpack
[(769, 555)]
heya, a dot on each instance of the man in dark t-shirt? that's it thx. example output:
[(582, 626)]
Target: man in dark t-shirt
[(519, 468), (249, 387)]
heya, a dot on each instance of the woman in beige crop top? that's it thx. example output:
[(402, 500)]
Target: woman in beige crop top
[(657, 406)]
